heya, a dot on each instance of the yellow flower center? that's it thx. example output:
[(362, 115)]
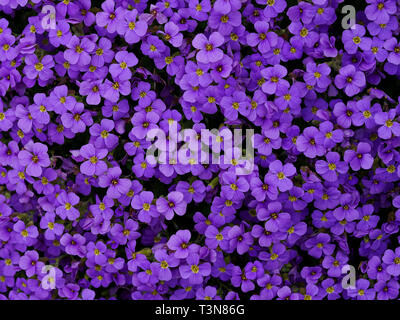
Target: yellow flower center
[(39, 66), (274, 79), (389, 123), (104, 134), (93, 159), (367, 114), (304, 32), (169, 60), (332, 166), (224, 19), (194, 268)]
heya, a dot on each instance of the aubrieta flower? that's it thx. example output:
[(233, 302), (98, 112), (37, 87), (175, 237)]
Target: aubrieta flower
[(351, 80), (179, 243), (173, 204), (115, 185), (65, 208), (330, 168), (144, 203), (380, 10), (311, 142), (389, 126), (35, 157), (193, 270), (354, 39), (361, 158), (208, 47), (84, 103), (274, 82), (79, 51), (280, 175), (129, 27), (93, 164)]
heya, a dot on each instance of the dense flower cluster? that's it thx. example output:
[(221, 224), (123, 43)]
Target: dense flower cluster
[(79, 195)]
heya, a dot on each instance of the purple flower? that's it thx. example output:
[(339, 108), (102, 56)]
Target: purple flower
[(74, 245), (208, 48), (144, 203), (130, 28), (173, 204), (380, 10), (93, 164), (330, 169), (29, 262), (165, 263), (274, 7), (389, 126), (320, 244), (179, 243), (260, 38), (392, 261), (66, 208), (274, 82), (350, 80), (353, 39), (115, 185), (360, 158), (52, 228), (193, 270), (143, 123), (172, 35), (79, 51), (280, 175), (362, 291), (311, 142), (109, 17), (35, 157), (102, 136), (318, 75), (76, 119)]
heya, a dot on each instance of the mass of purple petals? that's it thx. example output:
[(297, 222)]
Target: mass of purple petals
[(79, 195)]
